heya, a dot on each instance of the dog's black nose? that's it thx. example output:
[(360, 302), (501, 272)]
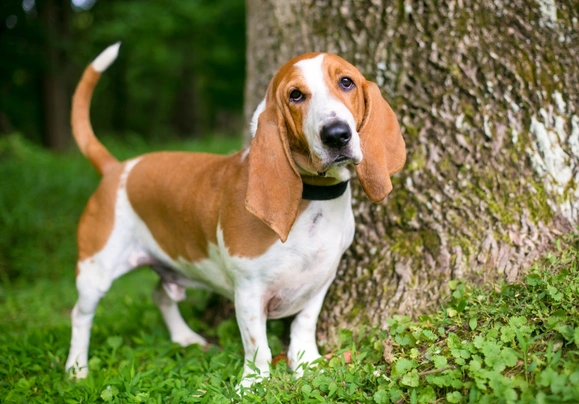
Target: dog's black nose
[(336, 135)]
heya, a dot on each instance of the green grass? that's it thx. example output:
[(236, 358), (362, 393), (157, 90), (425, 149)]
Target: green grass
[(507, 343)]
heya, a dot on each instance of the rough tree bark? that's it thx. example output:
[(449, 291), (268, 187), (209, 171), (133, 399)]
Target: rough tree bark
[(487, 95)]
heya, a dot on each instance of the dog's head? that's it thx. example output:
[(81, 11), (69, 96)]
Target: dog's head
[(319, 116)]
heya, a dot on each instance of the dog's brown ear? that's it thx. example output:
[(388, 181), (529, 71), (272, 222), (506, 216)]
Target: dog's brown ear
[(274, 188), (384, 152)]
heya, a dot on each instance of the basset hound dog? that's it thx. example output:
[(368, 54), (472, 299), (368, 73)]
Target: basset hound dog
[(265, 227)]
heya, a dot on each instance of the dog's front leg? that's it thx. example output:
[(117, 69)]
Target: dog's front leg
[(303, 348), (251, 319)]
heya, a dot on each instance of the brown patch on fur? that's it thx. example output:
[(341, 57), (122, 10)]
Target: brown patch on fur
[(303, 160), (335, 69), (177, 195), (183, 196), (274, 186), (97, 220), (382, 144), (243, 233)]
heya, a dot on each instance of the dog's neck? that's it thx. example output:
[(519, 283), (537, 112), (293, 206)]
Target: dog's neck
[(322, 188), (316, 180)]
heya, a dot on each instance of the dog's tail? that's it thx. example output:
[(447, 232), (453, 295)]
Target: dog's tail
[(89, 145)]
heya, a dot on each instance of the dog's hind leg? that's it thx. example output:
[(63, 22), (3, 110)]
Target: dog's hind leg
[(92, 282), (108, 249), (95, 277), (166, 296)]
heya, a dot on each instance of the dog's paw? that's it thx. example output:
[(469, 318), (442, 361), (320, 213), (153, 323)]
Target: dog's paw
[(247, 382), (304, 360), (189, 338), (252, 375), (76, 373)]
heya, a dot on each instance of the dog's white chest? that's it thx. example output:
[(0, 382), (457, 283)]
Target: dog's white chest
[(288, 274), (291, 273)]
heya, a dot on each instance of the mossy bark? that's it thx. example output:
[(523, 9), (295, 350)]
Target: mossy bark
[(487, 95)]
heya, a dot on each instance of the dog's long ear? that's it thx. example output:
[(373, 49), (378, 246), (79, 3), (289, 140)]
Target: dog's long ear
[(274, 188), (382, 145)]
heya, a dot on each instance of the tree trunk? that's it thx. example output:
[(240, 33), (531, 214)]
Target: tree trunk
[(487, 94), (55, 91), (185, 117)]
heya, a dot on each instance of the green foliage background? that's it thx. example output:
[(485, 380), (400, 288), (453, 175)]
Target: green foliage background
[(181, 68)]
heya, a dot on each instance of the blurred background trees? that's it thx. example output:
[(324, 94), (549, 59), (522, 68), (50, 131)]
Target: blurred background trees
[(180, 71)]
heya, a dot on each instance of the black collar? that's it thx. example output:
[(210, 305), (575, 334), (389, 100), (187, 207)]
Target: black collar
[(323, 193)]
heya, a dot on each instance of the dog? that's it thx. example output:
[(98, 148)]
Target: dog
[(265, 227)]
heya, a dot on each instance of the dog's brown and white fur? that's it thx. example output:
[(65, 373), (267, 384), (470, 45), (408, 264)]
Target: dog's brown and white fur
[(237, 224)]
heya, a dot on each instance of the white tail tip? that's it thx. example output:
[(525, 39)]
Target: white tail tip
[(106, 58)]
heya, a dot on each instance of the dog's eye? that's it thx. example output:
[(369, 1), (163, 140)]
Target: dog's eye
[(346, 83), (296, 95)]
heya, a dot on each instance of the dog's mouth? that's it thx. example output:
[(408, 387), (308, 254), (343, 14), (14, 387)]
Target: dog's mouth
[(309, 165), (341, 159)]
